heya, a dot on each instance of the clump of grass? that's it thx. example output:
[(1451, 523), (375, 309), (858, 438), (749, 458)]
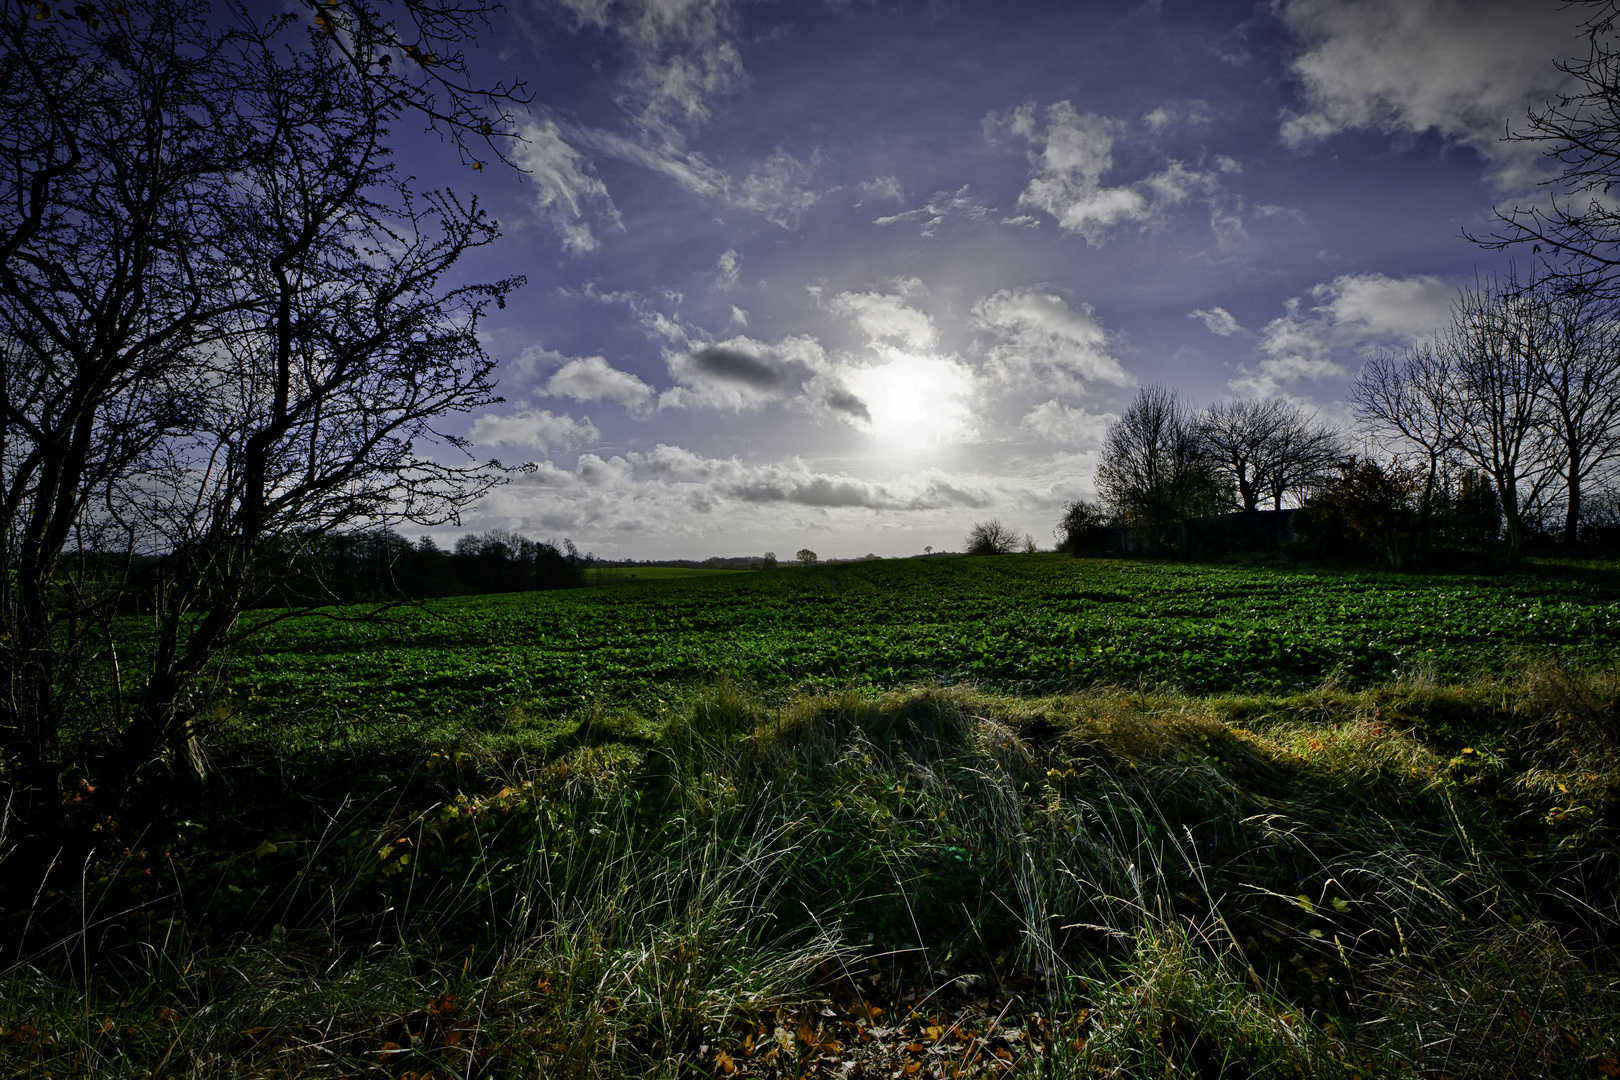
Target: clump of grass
[(1178, 1007), (1316, 884)]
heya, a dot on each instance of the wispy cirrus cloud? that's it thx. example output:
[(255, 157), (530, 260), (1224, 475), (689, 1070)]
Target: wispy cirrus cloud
[(566, 189)]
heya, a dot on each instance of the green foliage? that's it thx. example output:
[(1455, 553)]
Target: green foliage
[(1332, 883), (1026, 623)]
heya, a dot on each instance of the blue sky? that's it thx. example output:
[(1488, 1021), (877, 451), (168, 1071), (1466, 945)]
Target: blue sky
[(854, 275)]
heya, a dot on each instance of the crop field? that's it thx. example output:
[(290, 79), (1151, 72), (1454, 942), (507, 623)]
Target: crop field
[(1022, 624), (968, 818)]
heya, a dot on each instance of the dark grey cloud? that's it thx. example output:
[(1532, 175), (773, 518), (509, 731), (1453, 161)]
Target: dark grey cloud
[(847, 403), (733, 365), (816, 491)]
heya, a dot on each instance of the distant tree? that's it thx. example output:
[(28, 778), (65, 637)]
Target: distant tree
[(1406, 402), (1366, 511), (769, 561), (805, 557), (1497, 412), (992, 538), (1156, 471), (928, 549), (1267, 449), (1083, 528), (1241, 439)]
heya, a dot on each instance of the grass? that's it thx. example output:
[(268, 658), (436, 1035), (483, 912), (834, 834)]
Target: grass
[(1409, 878), (1026, 624)]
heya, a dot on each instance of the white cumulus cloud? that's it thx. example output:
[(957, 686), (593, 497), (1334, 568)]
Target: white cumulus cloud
[(1072, 159), (1337, 321), (1464, 69), (1037, 340), (592, 378), (534, 429), (886, 319)]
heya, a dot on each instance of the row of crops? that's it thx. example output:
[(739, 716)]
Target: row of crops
[(1025, 623)]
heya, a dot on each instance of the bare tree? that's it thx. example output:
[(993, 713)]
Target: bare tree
[(1406, 401), (1267, 448), (1496, 408), (1577, 372), (1304, 452), (993, 538), (1578, 231), (1155, 470), (224, 327), (805, 557), (1240, 437)]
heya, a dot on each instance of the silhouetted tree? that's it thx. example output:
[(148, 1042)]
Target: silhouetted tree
[(1156, 471), (1083, 529), (1577, 231), (225, 332), (992, 538), (1267, 449)]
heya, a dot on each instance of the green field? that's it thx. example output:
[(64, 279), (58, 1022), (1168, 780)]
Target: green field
[(1026, 624), (1013, 818)]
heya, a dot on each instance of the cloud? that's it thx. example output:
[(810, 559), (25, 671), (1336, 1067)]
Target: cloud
[(681, 55), (793, 481), (728, 268), (1463, 69), (840, 400), (1193, 112), (1037, 340), (1073, 154), (886, 319), (1066, 425), (1337, 321), (882, 188), (777, 189), (741, 373), (942, 206), (673, 501), (592, 378), (687, 168), (1217, 320), (532, 428), (736, 366), (563, 185)]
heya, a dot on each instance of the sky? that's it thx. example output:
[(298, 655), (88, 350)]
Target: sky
[(852, 275)]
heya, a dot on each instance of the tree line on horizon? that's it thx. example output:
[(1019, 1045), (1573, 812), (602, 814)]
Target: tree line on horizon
[(1500, 433)]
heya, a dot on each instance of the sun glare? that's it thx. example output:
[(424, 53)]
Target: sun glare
[(916, 401)]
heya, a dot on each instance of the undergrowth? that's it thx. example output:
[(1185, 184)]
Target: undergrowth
[(1413, 879)]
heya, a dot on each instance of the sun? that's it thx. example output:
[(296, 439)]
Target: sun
[(916, 401)]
